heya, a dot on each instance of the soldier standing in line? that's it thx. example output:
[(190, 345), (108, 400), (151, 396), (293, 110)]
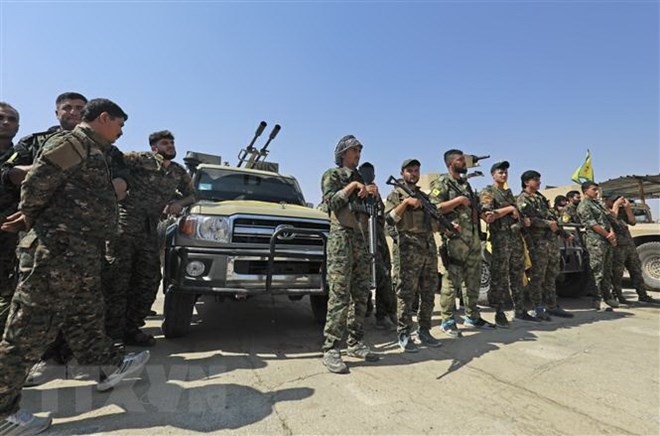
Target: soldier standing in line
[(385, 297), (415, 259), (601, 240), (569, 213), (543, 249), (9, 195), (132, 275), (507, 264), (458, 202), (68, 204), (344, 192), (625, 253), (558, 205)]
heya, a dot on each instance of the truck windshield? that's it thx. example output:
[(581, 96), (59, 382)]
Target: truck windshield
[(221, 185)]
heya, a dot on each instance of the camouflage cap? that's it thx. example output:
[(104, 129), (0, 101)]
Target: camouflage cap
[(409, 163), (348, 141), (502, 165)]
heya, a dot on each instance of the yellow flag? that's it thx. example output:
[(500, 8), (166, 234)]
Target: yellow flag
[(585, 172)]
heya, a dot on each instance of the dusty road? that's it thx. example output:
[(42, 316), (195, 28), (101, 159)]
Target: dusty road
[(254, 367)]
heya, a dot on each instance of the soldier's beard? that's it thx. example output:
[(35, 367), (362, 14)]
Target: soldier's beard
[(167, 156)]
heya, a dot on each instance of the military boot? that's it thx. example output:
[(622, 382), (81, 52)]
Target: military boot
[(332, 361), (500, 320), (427, 338), (362, 351), (558, 311), (612, 302), (646, 298)]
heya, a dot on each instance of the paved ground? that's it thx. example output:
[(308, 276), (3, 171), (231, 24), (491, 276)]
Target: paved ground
[(254, 367)]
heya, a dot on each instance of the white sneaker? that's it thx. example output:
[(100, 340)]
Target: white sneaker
[(132, 363), (41, 372), (23, 423)]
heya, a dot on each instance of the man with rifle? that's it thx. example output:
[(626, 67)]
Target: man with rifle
[(543, 247), (345, 192), (415, 255), (508, 256), (458, 202)]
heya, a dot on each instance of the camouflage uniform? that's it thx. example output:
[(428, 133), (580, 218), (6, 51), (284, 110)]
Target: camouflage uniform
[(569, 214), (132, 274), (9, 195), (543, 250), (23, 153), (507, 264), (591, 212), (386, 305), (415, 263), (347, 268), (70, 200), (625, 256), (463, 249)]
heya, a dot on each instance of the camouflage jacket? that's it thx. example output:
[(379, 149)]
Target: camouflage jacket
[(535, 207), (152, 186), (592, 212), (446, 188), (569, 214), (28, 148), (620, 225), (493, 198), (68, 191), (9, 193), (343, 209), (413, 220)]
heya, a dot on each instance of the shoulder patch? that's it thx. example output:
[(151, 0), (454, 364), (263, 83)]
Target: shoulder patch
[(436, 192), (65, 155)]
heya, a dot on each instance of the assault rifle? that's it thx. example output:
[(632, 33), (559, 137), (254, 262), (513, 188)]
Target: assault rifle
[(371, 208), (475, 206), (430, 208)]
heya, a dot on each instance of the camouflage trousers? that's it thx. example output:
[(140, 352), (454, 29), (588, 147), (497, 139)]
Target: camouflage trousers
[(625, 256), (61, 292), (507, 267), (600, 261), (415, 276), (348, 281), (385, 298), (7, 274), (131, 278), (542, 288), (464, 267)]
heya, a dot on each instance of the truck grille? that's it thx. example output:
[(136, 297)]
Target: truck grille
[(259, 231)]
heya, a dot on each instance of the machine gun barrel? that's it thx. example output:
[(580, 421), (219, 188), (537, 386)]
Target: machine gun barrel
[(250, 148), (428, 207), (263, 152)]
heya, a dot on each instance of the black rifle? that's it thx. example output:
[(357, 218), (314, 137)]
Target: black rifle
[(430, 208), (371, 208), (475, 206)]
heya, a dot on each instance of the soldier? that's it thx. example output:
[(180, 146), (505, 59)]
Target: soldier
[(348, 274), (558, 205), (455, 199), (13, 168), (133, 273), (415, 259), (69, 206), (505, 226), (600, 239), (385, 298), (625, 253), (9, 194), (543, 247), (569, 213)]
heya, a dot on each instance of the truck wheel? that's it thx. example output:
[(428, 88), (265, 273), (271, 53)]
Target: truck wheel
[(178, 310), (649, 255), (319, 305), (571, 284)]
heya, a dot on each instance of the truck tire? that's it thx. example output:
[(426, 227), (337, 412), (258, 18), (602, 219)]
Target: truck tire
[(177, 312), (572, 284), (319, 305), (649, 256)]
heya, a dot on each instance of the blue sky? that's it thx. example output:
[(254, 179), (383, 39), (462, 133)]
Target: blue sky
[(536, 83)]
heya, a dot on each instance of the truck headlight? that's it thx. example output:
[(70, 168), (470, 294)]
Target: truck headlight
[(213, 229)]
